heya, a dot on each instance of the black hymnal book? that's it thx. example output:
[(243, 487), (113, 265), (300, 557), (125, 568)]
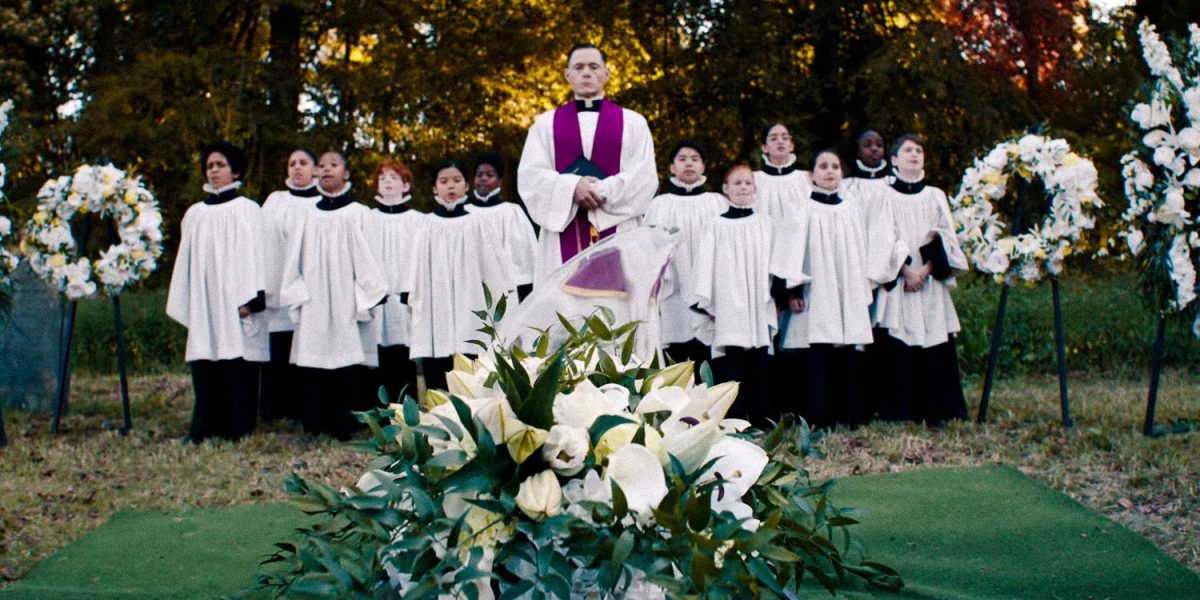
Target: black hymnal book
[(586, 168)]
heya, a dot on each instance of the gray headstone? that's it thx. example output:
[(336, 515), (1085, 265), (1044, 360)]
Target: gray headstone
[(29, 345)]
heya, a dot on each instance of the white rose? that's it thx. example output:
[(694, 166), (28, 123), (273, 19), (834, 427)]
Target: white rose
[(566, 449), (540, 496)]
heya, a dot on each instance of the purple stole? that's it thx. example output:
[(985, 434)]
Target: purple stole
[(606, 155)]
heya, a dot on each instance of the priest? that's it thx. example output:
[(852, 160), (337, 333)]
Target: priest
[(587, 170)]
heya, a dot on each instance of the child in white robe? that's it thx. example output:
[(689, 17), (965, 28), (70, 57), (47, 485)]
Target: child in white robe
[(393, 231), (685, 208), (218, 293), (513, 228), (782, 186), (824, 259), (870, 165), (331, 282), (283, 216), (459, 255), (915, 357), (733, 287)]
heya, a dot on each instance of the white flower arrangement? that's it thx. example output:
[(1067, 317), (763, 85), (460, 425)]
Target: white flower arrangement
[(1162, 174), (107, 192), (1070, 182), (581, 472)]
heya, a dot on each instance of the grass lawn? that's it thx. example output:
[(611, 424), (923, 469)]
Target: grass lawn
[(53, 489)]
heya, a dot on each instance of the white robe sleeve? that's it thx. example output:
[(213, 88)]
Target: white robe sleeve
[(628, 193), (789, 249), (370, 284), (293, 291), (524, 245), (886, 249), (178, 297), (703, 265), (945, 230), (548, 195)]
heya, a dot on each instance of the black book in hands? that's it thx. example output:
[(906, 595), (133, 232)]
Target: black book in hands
[(585, 168)]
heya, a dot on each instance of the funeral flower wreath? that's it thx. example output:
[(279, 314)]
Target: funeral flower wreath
[(8, 260), (106, 191), (1070, 182), (1162, 175)]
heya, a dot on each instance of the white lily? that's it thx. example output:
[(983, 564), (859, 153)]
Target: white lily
[(738, 465), (637, 472), (581, 407)]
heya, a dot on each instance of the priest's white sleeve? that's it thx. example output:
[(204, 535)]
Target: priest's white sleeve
[(548, 195), (628, 193)]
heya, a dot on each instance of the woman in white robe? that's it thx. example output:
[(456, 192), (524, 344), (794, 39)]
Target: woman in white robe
[(512, 225), (915, 359), (824, 263), (393, 231), (458, 258), (733, 287), (782, 186), (217, 292), (283, 216), (331, 282)]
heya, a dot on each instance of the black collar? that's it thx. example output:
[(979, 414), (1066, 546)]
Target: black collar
[(223, 197), (492, 199), (588, 105), (830, 198), (394, 209), (773, 170), (459, 210), (682, 191), (305, 192), (335, 202), (905, 187), (737, 212)]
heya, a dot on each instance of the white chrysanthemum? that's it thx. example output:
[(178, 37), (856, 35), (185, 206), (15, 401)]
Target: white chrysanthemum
[(1183, 272), (1158, 56)]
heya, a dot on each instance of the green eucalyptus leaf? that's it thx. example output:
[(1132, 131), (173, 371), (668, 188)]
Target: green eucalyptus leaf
[(487, 299), (501, 306), (538, 409), (412, 412)]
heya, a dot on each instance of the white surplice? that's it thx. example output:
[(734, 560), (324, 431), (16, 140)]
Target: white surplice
[(331, 282), (395, 241), (550, 195), (926, 317), (219, 268), (781, 189), (733, 281), (513, 232), (283, 216), (686, 215), (457, 258)]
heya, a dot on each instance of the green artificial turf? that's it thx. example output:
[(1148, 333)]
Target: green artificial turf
[(953, 533)]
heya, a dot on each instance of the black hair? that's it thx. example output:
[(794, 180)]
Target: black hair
[(864, 133), (767, 131), (342, 155), (233, 155), (812, 161), (584, 46), (448, 164), (493, 159), (311, 155), (687, 143), (908, 137)]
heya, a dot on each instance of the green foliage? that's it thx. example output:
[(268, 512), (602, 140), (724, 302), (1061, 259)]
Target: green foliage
[(441, 508)]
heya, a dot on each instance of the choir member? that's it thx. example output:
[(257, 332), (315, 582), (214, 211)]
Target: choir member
[(587, 169), (331, 281), (218, 293), (914, 316), (685, 208), (824, 259), (514, 230), (782, 186), (283, 216), (393, 231), (733, 287), (458, 258)]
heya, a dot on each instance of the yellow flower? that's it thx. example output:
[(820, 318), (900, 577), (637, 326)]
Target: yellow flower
[(993, 178), (58, 260), (998, 277), (1039, 253), (1071, 159), (524, 444), (1066, 249), (131, 196), (138, 254), (39, 217)]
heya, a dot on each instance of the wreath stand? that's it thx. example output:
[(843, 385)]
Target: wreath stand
[(1059, 338), (68, 329)]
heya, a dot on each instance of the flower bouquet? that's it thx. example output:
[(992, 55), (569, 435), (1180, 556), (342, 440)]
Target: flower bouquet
[(576, 472)]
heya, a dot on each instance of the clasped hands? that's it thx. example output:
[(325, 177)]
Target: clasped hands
[(914, 277), (586, 195)]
